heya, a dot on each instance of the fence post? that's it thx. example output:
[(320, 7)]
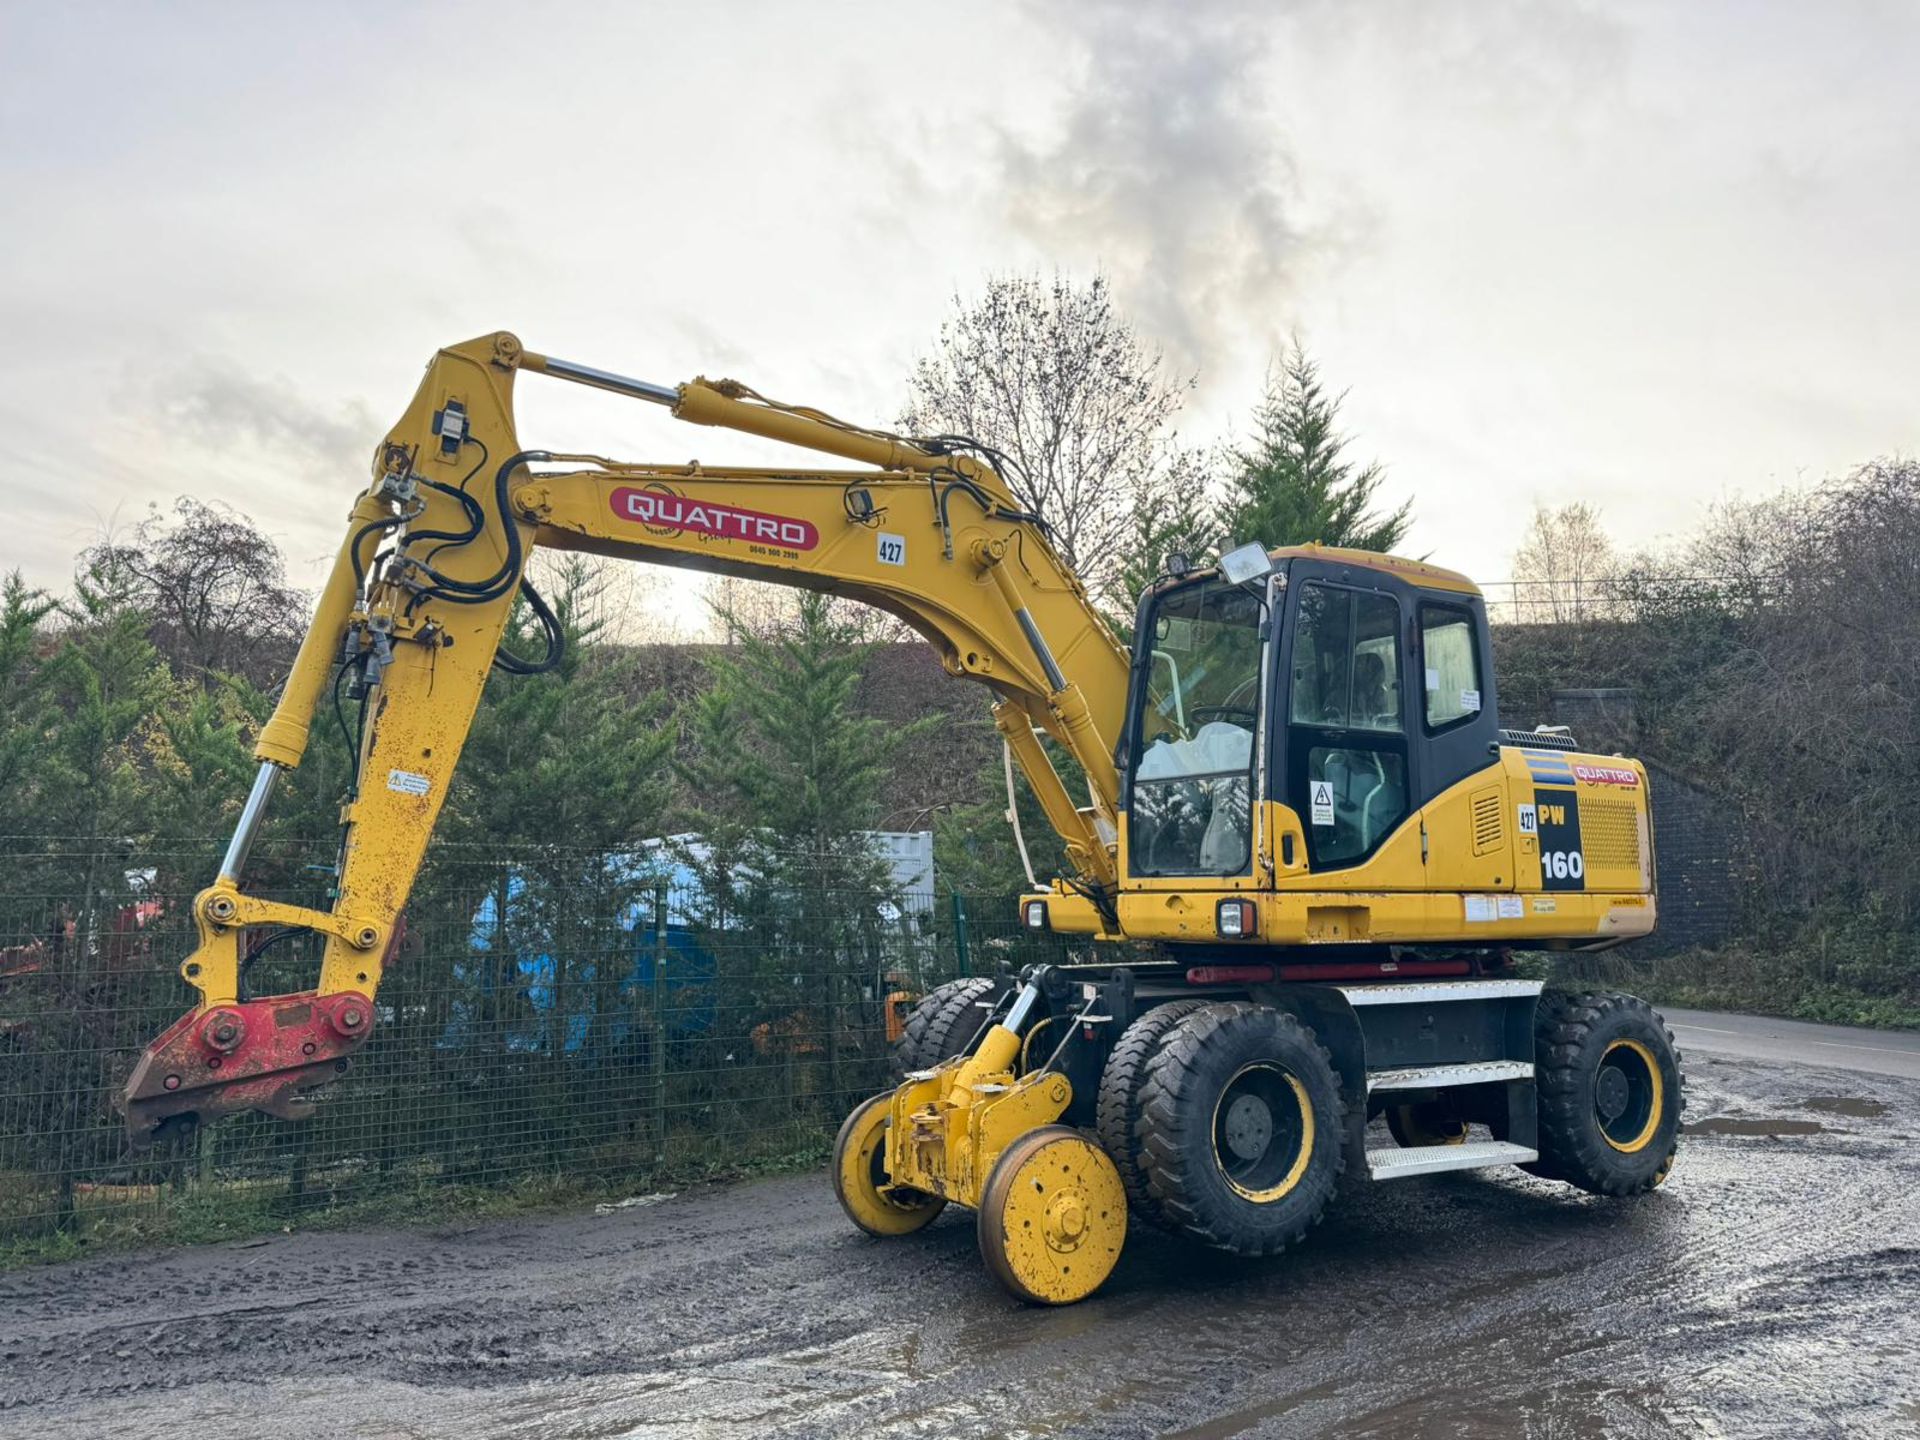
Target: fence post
[(960, 955), (658, 1057)]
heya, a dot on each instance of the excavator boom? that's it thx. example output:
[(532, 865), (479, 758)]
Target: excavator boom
[(411, 617)]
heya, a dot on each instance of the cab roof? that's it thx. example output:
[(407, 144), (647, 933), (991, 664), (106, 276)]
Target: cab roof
[(1414, 572)]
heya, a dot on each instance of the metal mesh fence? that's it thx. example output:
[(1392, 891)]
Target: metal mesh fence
[(598, 1017)]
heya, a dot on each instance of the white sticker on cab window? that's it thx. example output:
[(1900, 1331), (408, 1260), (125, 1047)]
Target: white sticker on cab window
[(1322, 798), (1433, 678), (1470, 700)]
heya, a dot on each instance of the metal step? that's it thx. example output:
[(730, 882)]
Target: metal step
[(1438, 992), (1397, 1163), (1441, 1077)]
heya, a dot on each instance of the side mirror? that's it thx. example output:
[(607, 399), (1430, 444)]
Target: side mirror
[(1246, 563)]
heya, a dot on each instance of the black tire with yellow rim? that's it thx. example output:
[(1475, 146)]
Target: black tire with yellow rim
[(860, 1175), (1118, 1112), (1611, 1092), (1426, 1122), (1242, 1127)]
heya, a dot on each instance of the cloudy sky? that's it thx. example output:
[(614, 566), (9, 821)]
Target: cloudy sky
[(1645, 256)]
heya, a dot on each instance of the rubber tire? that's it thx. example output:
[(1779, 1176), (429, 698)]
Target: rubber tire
[(1185, 1079), (1415, 1127), (942, 1021), (1117, 1115), (1572, 1033)]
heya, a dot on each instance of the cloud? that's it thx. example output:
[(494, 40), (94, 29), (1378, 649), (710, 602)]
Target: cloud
[(1167, 169), (220, 406)]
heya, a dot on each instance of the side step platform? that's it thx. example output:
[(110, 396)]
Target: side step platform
[(1398, 1163), (1452, 1037)]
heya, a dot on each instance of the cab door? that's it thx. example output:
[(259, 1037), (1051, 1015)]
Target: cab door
[(1347, 773)]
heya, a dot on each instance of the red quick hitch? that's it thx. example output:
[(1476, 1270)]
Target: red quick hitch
[(254, 1055)]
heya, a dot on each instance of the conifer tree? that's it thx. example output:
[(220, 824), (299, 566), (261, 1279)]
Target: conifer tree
[(1292, 483)]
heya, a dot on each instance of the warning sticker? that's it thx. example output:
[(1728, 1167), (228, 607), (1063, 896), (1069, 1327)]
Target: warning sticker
[(1322, 801), (408, 783), (1480, 909), (1470, 701), (1511, 907)]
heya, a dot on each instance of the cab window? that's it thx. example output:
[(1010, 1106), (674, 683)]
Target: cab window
[(1190, 811), (1349, 752), (1452, 663), (1346, 661)]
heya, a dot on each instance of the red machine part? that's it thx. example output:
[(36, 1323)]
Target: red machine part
[(254, 1055), (1342, 970)]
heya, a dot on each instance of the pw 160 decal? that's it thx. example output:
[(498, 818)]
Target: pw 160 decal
[(666, 512)]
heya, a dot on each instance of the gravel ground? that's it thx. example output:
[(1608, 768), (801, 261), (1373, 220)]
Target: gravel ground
[(1771, 1288)]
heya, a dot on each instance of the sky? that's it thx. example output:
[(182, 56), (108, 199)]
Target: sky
[(1647, 257)]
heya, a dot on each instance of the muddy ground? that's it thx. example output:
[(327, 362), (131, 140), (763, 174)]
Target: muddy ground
[(1772, 1288)]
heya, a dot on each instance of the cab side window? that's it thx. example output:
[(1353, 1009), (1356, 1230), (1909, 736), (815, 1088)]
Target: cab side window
[(1345, 710), (1452, 662)]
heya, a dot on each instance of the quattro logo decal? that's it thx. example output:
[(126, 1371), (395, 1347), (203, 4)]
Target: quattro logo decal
[(664, 512), (1606, 775)]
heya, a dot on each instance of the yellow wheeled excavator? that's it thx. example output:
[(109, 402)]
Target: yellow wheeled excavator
[(1306, 855)]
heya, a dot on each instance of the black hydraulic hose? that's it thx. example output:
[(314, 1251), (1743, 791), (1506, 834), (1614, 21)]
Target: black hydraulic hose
[(479, 592), (556, 638)]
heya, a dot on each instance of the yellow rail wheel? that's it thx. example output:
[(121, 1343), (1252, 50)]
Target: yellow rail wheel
[(1430, 1122), (860, 1176), (1610, 1093), (1053, 1217)]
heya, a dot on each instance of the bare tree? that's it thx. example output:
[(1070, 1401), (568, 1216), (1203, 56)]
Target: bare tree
[(1565, 568), (214, 588), (1049, 374)]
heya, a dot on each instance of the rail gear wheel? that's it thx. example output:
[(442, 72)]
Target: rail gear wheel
[(1610, 1093), (860, 1176), (1242, 1127), (1053, 1216), (942, 1022), (1118, 1112), (1429, 1122)]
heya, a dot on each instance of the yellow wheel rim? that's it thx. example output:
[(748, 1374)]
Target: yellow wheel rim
[(1053, 1217), (860, 1176), (1263, 1132), (1629, 1097)]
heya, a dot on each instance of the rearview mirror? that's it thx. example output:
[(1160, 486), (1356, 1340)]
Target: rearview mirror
[(1246, 563)]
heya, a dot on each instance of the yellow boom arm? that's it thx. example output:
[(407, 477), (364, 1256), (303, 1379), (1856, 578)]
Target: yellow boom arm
[(419, 597)]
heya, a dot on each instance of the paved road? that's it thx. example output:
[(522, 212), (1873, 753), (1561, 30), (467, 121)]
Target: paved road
[(1878, 1052), (1767, 1290)]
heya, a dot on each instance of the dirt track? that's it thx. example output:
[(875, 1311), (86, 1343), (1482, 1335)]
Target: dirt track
[(1772, 1288)]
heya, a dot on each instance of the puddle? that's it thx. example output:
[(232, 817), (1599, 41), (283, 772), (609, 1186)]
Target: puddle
[(1760, 1125), (1849, 1105)]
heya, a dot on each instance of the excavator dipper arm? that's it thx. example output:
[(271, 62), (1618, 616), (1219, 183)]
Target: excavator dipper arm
[(410, 623)]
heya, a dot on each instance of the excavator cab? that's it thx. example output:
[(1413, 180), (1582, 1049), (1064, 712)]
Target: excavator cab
[(1327, 700)]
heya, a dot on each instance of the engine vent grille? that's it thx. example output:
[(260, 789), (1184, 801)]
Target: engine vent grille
[(1488, 832), (1539, 739), (1610, 834)]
